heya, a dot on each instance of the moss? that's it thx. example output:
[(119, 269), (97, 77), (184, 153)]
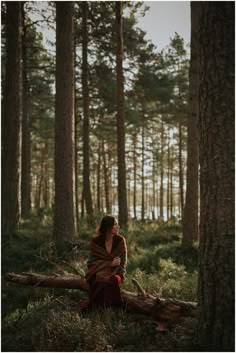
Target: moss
[(40, 319)]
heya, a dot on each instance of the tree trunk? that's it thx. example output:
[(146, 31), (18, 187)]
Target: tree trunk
[(106, 179), (99, 177), (153, 187), (82, 204), (168, 311), (168, 178), (76, 122), (216, 295), (142, 170), (85, 89), (46, 176), (181, 180), (190, 217), (162, 172), (171, 181), (26, 143), (40, 179), (64, 215), (135, 174), (11, 125), (122, 193)]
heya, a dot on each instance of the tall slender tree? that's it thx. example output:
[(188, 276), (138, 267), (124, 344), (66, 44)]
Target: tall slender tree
[(85, 89), (26, 146), (190, 217), (106, 177), (76, 122), (134, 139), (11, 128), (181, 173), (122, 192), (142, 169), (162, 172), (216, 295), (64, 214)]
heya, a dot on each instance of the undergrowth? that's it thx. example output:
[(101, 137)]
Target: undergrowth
[(41, 319)]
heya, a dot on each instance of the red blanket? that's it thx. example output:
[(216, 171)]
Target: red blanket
[(99, 261)]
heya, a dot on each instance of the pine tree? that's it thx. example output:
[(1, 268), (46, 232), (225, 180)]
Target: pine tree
[(85, 92), (216, 294), (26, 145), (122, 193), (11, 128), (190, 219), (64, 213)]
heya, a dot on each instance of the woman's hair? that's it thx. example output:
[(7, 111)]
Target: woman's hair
[(106, 224)]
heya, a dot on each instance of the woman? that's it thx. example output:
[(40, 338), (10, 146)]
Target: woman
[(106, 264)]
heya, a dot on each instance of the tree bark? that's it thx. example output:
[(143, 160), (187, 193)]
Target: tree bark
[(162, 172), (85, 90), (168, 178), (142, 170), (46, 176), (26, 143), (76, 122), (190, 217), (40, 178), (11, 124), (122, 193), (135, 174), (171, 181), (169, 311), (216, 294), (107, 187), (181, 177), (99, 177), (64, 215), (153, 186)]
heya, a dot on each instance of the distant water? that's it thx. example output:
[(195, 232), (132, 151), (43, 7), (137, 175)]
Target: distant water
[(148, 215)]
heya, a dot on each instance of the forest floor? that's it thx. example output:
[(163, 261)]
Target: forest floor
[(41, 319)]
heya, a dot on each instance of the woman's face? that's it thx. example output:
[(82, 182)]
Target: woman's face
[(115, 228)]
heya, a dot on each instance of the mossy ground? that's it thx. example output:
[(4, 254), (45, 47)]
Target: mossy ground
[(40, 319)]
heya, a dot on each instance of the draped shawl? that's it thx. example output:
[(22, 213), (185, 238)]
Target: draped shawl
[(99, 260)]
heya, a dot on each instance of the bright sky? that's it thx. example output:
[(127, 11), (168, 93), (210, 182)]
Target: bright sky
[(163, 19)]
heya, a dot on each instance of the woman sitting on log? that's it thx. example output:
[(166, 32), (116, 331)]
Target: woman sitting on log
[(106, 264)]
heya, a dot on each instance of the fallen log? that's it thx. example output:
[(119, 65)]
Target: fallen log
[(164, 310)]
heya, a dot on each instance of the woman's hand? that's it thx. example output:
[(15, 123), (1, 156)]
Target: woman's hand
[(115, 262)]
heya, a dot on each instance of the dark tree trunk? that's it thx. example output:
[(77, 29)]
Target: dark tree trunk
[(76, 122), (122, 193), (181, 177), (162, 172), (109, 161), (26, 143), (40, 179), (82, 204), (135, 173), (142, 171), (168, 179), (11, 124), (153, 187), (99, 177), (216, 294), (107, 187), (85, 89), (171, 181), (46, 176), (190, 217), (64, 215)]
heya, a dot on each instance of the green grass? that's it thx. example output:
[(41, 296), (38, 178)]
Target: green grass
[(40, 319)]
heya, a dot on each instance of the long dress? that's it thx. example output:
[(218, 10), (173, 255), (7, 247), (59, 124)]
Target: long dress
[(105, 281)]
